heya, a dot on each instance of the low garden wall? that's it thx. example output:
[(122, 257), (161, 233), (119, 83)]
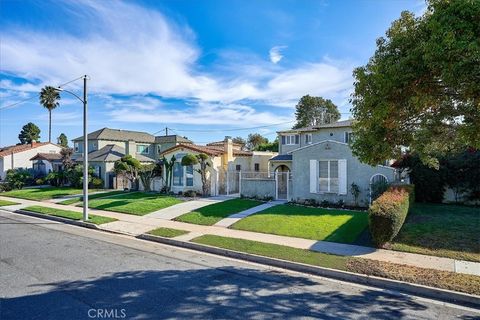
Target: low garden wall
[(258, 188)]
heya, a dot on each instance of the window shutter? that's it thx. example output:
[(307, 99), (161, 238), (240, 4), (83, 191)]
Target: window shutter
[(297, 139), (313, 176), (283, 139), (342, 176), (345, 137)]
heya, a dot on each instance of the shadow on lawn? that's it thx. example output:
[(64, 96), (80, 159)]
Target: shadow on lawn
[(204, 294)]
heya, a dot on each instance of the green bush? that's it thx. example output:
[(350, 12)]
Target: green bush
[(387, 214), (97, 183), (190, 193), (17, 178), (410, 188), (39, 182)]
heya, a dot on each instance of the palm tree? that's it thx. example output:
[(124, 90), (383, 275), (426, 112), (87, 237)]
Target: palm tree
[(49, 99)]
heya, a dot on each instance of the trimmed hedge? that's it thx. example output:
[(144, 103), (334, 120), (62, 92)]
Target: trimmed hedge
[(387, 214)]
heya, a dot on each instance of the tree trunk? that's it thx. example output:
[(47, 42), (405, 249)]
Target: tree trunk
[(49, 125)]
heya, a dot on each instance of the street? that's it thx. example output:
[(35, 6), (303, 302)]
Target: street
[(54, 271)]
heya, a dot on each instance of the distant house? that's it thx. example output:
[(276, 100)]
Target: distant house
[(228, 162), (44, 163), (105, 146), (20, 156), (317, 163)]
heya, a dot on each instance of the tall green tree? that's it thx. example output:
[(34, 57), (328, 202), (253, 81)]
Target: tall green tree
[(30, 132), (312, 111), (62, 140), (49, 98), (240, 140), (129, 167), (421, 89), (202, 160), (254, 140)]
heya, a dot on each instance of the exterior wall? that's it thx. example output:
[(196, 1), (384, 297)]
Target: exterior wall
[(163, 147), (336, 134), (261, 188), (22, 159), (357, 173)]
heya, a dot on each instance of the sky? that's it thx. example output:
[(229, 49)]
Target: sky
[(204, 69)]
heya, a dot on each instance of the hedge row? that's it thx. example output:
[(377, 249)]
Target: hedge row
[(387, 214)]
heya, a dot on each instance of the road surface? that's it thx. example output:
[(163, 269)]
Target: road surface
[(55, 271)]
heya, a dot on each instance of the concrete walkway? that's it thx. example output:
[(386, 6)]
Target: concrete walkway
[(184, 207), (227, 222), (136, 225)]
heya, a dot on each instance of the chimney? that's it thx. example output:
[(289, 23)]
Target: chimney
[(227, 150), (33, 143), (130, 148)]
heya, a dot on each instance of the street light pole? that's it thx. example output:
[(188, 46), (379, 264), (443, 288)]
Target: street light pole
[(85, 143), (85, 151)]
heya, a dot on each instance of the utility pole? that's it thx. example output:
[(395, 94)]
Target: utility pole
[(166, 131)]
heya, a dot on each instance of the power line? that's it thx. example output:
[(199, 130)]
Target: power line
[(30, 98)]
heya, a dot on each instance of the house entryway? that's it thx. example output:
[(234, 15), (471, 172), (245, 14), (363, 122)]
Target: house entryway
[(282, 177)]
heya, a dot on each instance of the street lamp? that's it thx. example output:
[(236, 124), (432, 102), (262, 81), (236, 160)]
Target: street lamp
[(85, 144)]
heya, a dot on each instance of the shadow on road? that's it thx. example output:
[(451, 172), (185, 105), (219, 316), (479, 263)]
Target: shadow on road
[(226, 293)]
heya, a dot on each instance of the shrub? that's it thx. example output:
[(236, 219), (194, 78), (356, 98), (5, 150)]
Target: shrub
[(39, 182), (387, 214), (190, 193), (378, 188), (97, 183), (17, 178), (410, 188)]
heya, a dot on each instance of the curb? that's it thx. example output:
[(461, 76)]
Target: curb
[(58, 219), (443, 295)]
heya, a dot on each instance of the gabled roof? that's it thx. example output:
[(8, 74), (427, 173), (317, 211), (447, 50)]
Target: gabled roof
[(212, 151), (338, 124), (47, 156), (5, 151), (119, 135), (111, 153), (173, 138)]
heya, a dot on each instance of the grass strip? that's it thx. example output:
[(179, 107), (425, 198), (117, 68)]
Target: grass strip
[(69, 214), (44, 193), (168, 232), (6, 203), (90, 197), (429, 277)]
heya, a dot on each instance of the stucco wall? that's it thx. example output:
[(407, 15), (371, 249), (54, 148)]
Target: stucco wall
[(258, 188), (336, 134), (357, 172)]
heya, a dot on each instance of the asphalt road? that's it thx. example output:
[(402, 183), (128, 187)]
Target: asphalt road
[(55, 271)]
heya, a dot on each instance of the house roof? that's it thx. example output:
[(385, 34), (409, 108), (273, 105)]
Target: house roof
[(221, 143), (338, 124), (282, 157), (5, 151), (47, 156), (111, 153), (173, 138), (119, 135), (212, 151)]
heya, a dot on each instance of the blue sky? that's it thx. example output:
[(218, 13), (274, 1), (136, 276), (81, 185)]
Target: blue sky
[(205, 69)]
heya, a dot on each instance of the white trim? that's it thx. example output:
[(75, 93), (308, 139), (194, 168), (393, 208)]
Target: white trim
[(342, 176), (315, 144), (378, 174), (314, 182)]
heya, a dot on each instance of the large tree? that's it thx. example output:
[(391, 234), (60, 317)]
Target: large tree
[(254, 140), (420, 90), (311, 111), (62, 140), (240, 140), (30, 132), (128, 167), (49, 98)]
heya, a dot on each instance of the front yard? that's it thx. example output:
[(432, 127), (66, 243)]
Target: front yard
[(44, 193), (306, 222), (6, 203), (211, 214), (441, 230), (137, 203), (91, 197)]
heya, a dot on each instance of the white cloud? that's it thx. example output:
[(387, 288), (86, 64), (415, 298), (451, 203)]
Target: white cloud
[(129, 50), (276, 54)]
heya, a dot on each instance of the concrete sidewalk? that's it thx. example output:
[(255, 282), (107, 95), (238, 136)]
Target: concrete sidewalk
[(227, 222), (136, 225), (184, 207)]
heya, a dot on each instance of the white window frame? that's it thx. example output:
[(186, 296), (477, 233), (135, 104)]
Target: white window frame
[(329, 190), (159, 148), (347, 137), (76, 146), (146, 150), (188, 175), (290, 139), (308, 138)]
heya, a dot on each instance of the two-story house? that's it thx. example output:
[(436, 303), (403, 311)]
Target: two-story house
[(105, 146), (321, 165)]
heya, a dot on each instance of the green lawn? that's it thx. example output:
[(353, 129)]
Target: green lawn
[(44, 193), (93, 196), (137, 203), (211, 214), (69, 214), (429, 277), (306, 222), (441, 230), (168, 232), (6, 203)]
